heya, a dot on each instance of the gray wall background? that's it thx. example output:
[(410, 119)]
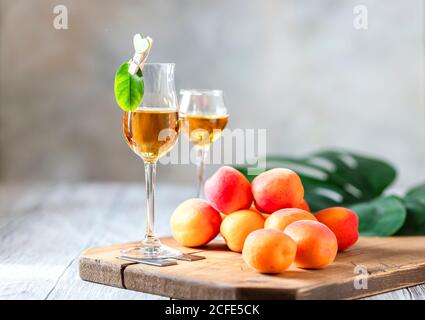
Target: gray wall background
[(297, 68)]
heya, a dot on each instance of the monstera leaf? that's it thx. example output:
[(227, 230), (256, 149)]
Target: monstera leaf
[(415, 206), (335, 177), (382, 216)]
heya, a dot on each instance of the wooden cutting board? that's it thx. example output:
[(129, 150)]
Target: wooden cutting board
[(391, 263)]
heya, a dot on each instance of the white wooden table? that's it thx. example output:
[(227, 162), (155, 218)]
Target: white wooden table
[(44, 228)]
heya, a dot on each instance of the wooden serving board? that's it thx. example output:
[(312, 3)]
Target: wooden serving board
[(391, 263)]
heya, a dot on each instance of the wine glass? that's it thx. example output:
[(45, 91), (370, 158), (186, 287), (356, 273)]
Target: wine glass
[(151, 131), (203, 117)]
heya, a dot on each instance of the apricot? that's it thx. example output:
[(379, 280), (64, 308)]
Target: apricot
[(194, 223), (277, 189), (304, 205), (228, 190), (269, 251), (283, 217), (316, 244), (343, 222), (238, 225)]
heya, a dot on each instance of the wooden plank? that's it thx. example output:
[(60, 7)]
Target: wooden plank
[(36, 246), (410, 293), (17, 200), (391, 263)]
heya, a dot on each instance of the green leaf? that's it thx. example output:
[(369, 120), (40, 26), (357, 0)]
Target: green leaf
[(381, 217), (415, 218), (335, 177), (416, 193), (370, 176), (128, 88)]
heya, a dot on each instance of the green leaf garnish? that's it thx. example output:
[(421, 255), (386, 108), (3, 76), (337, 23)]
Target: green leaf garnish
[(128, 88)]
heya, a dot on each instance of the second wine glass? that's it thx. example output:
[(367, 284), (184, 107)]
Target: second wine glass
[(203, 117)]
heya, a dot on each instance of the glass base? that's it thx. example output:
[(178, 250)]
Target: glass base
[(151, 252)]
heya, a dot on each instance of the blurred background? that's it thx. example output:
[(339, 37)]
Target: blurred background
[(300, 69)]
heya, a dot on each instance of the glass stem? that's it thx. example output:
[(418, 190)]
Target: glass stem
[(150, 174), (201, 153)]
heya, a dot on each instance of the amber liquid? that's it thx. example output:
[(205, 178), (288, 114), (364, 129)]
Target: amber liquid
[(151, 133), (202, 130)]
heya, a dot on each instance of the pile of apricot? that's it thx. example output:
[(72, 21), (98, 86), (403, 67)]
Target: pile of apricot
[(268, 221)]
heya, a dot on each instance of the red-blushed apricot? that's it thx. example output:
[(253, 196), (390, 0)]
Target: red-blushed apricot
[(284, 217), (277, 189), (269, 251), (194, 223), (236, 226), (228, 190), (304, 206), (316, 244), (343, 222)]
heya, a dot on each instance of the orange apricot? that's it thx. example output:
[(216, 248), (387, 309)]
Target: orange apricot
[(284, 217), (269, 251), (316, 244), (195, 223), (236, 226)]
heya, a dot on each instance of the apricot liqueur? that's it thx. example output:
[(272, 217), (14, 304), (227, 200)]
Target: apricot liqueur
[(151, 133), (202, 130), (204, 116), (146, 92)]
